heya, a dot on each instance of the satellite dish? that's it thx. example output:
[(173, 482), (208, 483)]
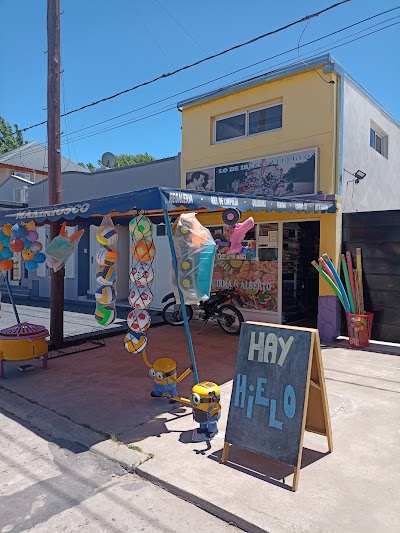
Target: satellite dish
[(108, 159)]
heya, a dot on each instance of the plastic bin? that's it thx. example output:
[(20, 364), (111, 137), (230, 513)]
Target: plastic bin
[(359, 329)]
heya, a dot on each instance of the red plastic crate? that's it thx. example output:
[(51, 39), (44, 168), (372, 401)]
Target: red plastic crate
[(359, 329)]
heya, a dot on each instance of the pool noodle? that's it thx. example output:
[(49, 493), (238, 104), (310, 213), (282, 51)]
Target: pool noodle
[(339, 283), (351, 275), (328, 280), (348, 286), (325, 267)]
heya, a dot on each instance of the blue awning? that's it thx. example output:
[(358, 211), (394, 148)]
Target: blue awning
[(156, 198)]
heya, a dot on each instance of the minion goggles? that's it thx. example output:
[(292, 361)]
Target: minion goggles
[(196, 399), (161, 375)]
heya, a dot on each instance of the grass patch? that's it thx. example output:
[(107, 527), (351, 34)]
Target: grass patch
[(114, 438), (134, 448)]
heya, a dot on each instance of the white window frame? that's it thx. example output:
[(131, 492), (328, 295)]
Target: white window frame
[(246, 113), (384, 140)]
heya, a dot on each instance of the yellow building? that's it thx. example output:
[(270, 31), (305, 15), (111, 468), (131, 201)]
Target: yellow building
[(277, 135)]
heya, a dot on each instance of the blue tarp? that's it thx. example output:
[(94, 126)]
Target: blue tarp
[(156, 198)]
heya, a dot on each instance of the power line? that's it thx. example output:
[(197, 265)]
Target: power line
[(191, 65)]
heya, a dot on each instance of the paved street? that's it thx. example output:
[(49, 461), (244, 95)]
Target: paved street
[(50, 485)]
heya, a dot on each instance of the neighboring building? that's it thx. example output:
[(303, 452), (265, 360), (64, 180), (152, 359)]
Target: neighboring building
[(80, 272), (289, 133)]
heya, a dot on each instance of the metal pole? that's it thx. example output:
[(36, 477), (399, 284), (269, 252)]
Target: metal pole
[(184, 314), (10, 294), (54, 160)]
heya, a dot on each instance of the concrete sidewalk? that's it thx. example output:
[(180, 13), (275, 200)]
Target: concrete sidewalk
[(353, 489)]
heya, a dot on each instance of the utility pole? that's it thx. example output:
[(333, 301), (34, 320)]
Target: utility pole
[(54, 160)]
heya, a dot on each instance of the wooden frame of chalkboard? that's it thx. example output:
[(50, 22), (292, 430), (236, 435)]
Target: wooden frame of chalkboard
[(278, 393)]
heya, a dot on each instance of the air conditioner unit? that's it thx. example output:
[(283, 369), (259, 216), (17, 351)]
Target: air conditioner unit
[(25, 175), (21, 195)]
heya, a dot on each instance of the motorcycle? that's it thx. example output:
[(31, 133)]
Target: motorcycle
[(219, 307)]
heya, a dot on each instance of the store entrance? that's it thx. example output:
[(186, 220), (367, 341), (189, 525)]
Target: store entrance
[(300, 283)]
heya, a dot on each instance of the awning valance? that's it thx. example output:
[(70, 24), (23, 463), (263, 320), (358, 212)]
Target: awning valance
[(156, 198)]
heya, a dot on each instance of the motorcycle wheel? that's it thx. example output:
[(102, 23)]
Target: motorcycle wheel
[(172, 314), (231, 319)]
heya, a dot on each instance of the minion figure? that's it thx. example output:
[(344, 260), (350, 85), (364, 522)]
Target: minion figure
[(164, 374), (205, 400)]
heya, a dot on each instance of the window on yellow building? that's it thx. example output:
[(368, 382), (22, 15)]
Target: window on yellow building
[(252, 122)]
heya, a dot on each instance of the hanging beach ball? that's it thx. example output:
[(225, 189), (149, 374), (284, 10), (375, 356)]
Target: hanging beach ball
[(107, 235), (141, 228), (135, 342), (106, 257), (31, 265), (39, 258), (6, 265), (36, 246), (16, 245), (143, 251), (27, 255), (142, 275), (18, 231), (140, 298), (32, 236), (7, 230), (6, 253), (106, 276), (104, 315), (105, 295), (138, 320)]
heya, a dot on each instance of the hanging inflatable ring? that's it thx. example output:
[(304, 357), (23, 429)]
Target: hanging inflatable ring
[(231, 216)]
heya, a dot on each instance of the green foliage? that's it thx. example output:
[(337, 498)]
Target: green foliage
[(8, 140), (122, 160)]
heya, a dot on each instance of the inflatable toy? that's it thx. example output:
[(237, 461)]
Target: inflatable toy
[(140, 298), (27, 255), (39, 257), (138, 320), (36, 246), (6, 265), (16, 245), (237, 235), (18, 231), (105, 295), (106, 276), (140, 227), (142, 275), (107, 235), (104, 315), (30, 225), (61, 247), (135, 342), (7, 230), (32, 236), (143, 251), (106, 257), (231, 216), (6, 253), (31, 265)]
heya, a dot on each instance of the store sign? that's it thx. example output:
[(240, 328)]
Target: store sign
[(256, 281), (288, 174)]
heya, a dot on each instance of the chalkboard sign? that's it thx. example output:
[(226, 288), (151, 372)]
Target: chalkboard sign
[(269, 411)]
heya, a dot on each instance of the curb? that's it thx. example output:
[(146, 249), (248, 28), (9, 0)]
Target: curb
[(223, 514), (66, 431)]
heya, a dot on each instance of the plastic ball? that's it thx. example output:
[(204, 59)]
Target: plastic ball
[(142, 275), (140, 298), (39, 257), (30, 225), (106, 276), (27, 255), (31, 265), (7, 230), (104, 315), (27, 244), (18, 231), (143, 251), (16, 245), (6, 241), (105, 295), (107, 235), (6, 265), (32, 235), (135, 342), (36, 246), (1, 234), (138, 320), (6, 253), (1, 246), (141, 228), (106, 257)]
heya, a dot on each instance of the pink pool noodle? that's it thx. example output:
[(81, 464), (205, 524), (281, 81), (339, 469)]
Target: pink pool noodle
[(326, 269)]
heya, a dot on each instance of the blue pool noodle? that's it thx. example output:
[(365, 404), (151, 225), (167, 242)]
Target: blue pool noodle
[(339, 282)]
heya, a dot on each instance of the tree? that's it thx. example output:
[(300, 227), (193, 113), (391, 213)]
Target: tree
[(122, 160), (8, 139)]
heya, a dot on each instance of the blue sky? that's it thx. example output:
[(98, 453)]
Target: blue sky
[(110, 46)]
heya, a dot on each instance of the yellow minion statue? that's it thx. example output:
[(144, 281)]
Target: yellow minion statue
[(205, 400), (164, 374)]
